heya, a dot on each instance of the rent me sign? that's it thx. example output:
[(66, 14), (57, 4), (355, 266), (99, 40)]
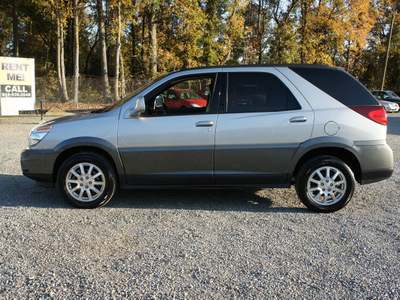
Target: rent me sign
[(17, 85)]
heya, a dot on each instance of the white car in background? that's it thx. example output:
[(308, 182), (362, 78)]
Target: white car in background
[(390, 107)]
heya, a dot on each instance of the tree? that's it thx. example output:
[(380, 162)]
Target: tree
[(151, 9), (283, 38), (15, 28), (103, 48), (61, 11), (163, 35), (118, 49), (373, 57), (75, 88)]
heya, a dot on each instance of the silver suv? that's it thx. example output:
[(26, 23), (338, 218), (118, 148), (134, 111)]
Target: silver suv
[(230, 127)]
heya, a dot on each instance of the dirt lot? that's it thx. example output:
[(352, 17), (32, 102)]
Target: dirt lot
[(197, 244)]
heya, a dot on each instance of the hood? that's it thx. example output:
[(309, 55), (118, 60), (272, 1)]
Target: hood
[(386, 102), (67, 118)]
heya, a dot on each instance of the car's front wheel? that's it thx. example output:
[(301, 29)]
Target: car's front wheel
[(325, 184), (87, 180)]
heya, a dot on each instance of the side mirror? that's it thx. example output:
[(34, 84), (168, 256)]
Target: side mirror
[(158, 102), (137, 109)]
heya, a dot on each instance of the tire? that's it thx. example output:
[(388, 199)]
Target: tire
[(95, 188), (325, 184)]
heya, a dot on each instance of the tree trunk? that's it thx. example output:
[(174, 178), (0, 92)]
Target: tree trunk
[(142, 66), (304, 6), (207, 48), (59, 56), (133, 60), (153, 44), (259, 33), (15, 28), (76, 53), (104, 69), (118, 53), (123, 92), (62, 66), (60, 60)]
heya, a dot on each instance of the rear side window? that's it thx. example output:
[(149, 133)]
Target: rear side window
[(337, 84), (258, 92)]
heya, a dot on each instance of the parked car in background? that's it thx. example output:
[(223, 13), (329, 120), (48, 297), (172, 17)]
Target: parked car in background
[(387, 96), (390, 107), (314, 127), (178, 98)]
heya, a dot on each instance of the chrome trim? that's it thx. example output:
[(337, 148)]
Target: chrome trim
[(204, 124), (300, 119)]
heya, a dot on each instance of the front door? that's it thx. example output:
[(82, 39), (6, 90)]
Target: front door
[(170, 146)]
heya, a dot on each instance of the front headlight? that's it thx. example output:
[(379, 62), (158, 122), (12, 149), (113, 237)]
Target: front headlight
[(194, 105), (37, 134)]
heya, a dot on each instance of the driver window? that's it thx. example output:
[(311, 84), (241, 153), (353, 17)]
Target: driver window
[(183, 97)]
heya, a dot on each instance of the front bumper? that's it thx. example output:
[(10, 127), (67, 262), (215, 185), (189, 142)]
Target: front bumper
[(391, 110), (39, 165)]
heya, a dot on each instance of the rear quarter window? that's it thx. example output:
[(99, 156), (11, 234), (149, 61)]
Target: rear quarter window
[(338, 84)]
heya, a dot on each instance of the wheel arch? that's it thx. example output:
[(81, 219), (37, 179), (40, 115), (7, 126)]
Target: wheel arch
[(344, 154), (101, 147)]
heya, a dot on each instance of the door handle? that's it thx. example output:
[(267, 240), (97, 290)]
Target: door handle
[(204, 124), (298, 119)]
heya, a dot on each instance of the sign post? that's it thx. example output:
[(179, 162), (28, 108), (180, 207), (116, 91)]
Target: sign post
[(17, 85)]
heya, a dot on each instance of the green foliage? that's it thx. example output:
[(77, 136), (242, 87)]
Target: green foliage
[(5, 27)]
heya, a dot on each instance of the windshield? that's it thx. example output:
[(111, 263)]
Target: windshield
[(393, 95), (134, 93)]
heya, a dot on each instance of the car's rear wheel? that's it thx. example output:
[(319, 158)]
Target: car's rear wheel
[(325, 184), (87, 180)]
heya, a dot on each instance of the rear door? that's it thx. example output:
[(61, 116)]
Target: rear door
[(263, 123)]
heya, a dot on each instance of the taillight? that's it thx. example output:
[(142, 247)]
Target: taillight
[(374, 113)]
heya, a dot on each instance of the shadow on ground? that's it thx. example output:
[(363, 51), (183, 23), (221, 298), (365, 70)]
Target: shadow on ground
[(18, 190)]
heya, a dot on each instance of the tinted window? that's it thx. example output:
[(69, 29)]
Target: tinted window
[(337, 84), (258, 92)]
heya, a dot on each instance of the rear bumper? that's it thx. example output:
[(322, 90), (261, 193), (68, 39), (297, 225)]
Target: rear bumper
[(38, 165), (376, 160)]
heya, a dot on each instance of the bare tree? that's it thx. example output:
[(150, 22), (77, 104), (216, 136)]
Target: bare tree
[(75, 88), (153, 42), (103, 46), (123, 91), (118, 52), (60, 55)]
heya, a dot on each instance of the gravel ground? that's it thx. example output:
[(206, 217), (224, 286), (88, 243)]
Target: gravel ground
[(201, 244)]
